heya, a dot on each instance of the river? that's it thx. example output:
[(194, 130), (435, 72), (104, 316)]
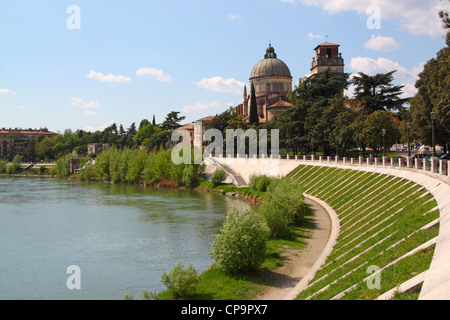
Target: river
[(120, 237)]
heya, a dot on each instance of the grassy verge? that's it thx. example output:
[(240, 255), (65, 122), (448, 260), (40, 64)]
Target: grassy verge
[(217, 285), (380, 221)]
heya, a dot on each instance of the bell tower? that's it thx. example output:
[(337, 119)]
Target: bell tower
[(329, 58)]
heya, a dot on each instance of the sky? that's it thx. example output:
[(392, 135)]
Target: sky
[(82, 64)]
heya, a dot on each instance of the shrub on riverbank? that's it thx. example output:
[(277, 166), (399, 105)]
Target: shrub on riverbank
[(139, 165), (3, 164), (282, 206), (259, 183), (218, 177), (14, 166), (181, 282), (241, 243)]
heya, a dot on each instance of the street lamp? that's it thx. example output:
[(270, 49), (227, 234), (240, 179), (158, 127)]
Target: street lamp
[(408, 129), (383, 132), (433, 121), (360, 143), (336, 140)]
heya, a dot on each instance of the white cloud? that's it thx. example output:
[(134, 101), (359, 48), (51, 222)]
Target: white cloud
[(380, 43), (404, 76), (199, 107), (415, 16), (231, 16), (101, 128), (155, 73), (219, 84), (382, 65), (77, 102), (312, 36), (6, 91), (107, 78), (91, 113)]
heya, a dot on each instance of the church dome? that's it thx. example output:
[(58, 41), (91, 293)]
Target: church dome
[(270, 66)]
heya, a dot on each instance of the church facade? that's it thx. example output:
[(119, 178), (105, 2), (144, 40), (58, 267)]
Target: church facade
[(272, 80)]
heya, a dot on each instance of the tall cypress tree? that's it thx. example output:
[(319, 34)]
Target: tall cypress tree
[(253, 117)]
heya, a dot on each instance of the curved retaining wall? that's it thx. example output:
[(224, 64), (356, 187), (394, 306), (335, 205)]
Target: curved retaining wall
[(436, 285), (435, 178)]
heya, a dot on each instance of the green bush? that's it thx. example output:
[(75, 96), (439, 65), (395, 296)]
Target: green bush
[(282, 207), (3, 164), (259, 183), (241, 243), (42, 169), (181, 282), (14, 166), (263, 183), (219, 176), (63, 165), (136, 165), (11, 168)]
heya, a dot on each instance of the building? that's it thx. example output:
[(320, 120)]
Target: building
[(190, 127), (13, 141), (96, 148), (272, 80), (327, 58)]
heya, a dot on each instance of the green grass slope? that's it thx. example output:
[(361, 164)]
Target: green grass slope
[(385, 224)]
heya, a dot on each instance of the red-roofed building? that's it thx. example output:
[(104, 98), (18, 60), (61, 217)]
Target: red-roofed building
[(327, 58), (12, 140), (272, 81)]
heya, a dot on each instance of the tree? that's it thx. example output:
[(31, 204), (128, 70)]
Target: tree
[(221, 121), (324, 97), (344, 130), (143, 123), (291, 124), (129, 138), (445, 17), (172, 121), (433, 95), (253, 116), (377, 92), (373, 127), (145, 132), (321, 87)]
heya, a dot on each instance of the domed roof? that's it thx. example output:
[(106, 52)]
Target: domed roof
[(270, 66)]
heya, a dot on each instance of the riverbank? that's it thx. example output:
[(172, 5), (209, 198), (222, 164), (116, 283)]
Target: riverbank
[(287, 261)]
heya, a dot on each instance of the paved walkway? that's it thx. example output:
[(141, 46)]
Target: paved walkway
[(299, 263)]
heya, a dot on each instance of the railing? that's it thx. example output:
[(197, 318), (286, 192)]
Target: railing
[(438, 168), (435, 167)]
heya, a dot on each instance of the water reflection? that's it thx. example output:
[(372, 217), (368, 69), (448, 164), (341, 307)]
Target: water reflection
[(122, 236)]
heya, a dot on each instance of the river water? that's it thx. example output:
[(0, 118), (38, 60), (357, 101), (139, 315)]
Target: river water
[(120, 237)]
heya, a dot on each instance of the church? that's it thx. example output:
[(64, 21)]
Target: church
[(272, 80)]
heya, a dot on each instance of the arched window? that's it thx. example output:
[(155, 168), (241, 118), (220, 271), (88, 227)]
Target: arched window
[(268, 87), (329, 54), (281, 87), (275, 87)]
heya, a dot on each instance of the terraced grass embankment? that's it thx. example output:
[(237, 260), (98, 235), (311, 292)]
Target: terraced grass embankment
[(388, 229)]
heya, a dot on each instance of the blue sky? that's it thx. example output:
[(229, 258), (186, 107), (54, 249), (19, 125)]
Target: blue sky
[(123, 61)]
